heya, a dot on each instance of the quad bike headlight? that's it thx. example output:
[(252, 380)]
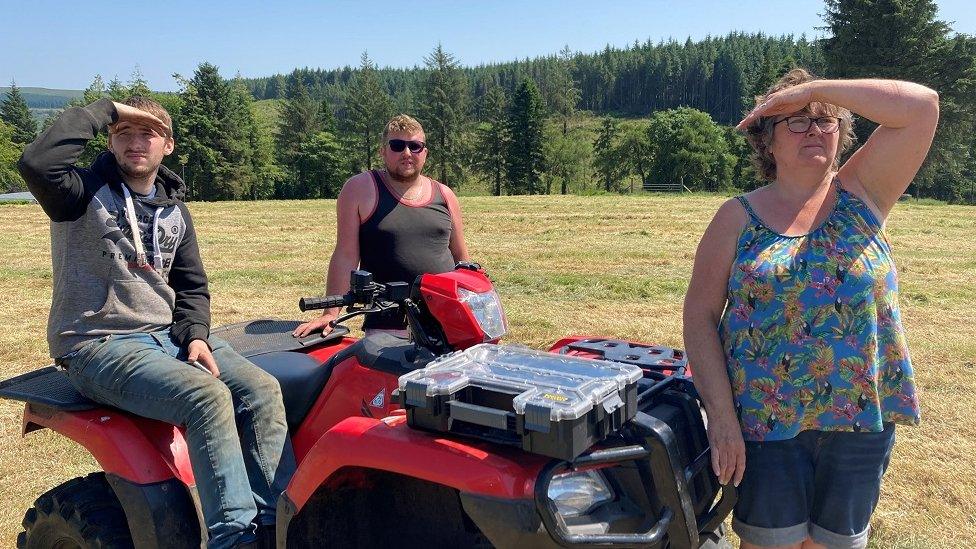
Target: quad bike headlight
[(487, 309), (576, 494)]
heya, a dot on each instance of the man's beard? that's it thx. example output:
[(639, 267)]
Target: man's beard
[(397, 175), (135, 172)]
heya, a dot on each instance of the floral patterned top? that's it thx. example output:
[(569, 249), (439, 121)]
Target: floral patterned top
[(812, 331)]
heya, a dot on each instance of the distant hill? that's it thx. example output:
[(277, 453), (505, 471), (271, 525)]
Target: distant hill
[(44, 101), (45, 98)]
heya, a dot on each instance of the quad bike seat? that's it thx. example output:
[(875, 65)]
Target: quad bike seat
[(390, 354), (268, 335), (268, 343), (301, 378)]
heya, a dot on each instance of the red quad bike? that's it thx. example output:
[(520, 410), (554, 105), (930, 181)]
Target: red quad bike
[(447, 439)]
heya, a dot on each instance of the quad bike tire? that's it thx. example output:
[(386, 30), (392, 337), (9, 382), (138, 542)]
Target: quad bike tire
[(79, 514)]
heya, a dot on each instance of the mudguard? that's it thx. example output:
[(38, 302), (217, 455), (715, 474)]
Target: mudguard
[(389, 445), (139, 450)]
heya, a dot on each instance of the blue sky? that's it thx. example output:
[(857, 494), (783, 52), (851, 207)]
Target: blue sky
[(64, 45)]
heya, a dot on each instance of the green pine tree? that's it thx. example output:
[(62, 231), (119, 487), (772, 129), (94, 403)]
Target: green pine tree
[(726, 88), (14, 111), (525, 161), (321, 166), (767, 74), (299, 118), (565, 94), (205, 137), (327, 114), (444, 115), (275, 88), (138, 85), (903, 39), (308, 149), (607, 160), (492, 137), (367, 107), (246, 164), (117, 90)]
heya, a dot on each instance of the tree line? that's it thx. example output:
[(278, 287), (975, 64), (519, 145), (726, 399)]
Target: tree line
[(612, 121), (713, 75)]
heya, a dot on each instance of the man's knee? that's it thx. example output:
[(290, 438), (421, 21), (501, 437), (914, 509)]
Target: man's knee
[(242, 374), (262, 390), (265, 383), (209, 400)]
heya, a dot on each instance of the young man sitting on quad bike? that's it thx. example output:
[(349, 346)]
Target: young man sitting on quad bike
[(130, 317), (397, 224)]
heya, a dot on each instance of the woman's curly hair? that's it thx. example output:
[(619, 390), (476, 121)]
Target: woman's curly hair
[(760, 133)]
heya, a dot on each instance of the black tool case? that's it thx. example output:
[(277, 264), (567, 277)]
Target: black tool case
[(545, 403)]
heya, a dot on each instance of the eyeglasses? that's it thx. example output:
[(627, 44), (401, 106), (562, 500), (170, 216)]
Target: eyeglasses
[(802, 124), (397, 145)]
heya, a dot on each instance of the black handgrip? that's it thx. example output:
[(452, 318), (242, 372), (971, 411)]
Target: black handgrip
[(327, 302)]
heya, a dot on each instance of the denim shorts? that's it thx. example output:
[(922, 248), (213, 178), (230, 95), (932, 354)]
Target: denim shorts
[(821, 484)]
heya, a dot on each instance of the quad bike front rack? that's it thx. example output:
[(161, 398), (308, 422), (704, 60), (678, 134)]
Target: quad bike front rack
[(654, 451)]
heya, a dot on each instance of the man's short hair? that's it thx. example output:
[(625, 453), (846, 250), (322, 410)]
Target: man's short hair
[(401, 123), (152, 107)]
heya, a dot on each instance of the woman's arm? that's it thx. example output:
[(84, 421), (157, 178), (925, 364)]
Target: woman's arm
[(704, 304), (907, 114)]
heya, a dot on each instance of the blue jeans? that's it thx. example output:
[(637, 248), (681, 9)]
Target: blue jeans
[(235, 425), (820, 484)]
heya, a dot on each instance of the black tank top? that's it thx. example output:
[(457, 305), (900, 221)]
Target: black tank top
[(399, 242)]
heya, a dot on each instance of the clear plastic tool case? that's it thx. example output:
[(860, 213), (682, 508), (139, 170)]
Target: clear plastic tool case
[(546, 403)]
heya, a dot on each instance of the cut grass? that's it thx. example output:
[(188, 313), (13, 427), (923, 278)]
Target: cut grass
[(563, 264)]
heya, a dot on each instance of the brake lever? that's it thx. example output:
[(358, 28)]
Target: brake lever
[(377, 307)]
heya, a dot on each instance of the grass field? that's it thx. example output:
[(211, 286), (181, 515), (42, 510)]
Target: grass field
[(563, 264)]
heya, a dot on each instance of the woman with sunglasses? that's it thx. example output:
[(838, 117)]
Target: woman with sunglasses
[(791, 318)]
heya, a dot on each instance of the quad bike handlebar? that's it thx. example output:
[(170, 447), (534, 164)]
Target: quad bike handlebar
[(366, 296), (362, 291), (327, 302)]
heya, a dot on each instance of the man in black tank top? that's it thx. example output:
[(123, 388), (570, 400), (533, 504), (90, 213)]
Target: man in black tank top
[(396, 223)]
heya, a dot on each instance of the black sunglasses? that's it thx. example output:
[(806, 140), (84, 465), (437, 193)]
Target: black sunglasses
[(397, 145)]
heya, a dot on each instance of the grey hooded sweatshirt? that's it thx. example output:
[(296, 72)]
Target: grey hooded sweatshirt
[(99, 287)]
